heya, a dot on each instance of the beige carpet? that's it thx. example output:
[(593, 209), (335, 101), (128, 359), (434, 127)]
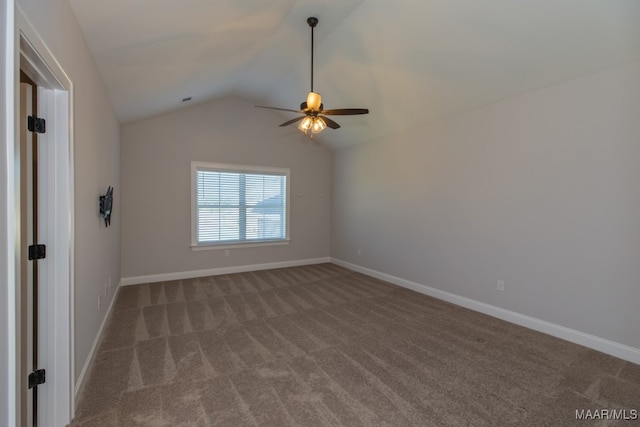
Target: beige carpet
[(320, 345)]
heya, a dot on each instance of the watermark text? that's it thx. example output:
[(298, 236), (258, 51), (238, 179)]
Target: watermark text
[(607, 414)]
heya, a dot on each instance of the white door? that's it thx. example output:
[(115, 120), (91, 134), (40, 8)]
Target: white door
[(55, 349)]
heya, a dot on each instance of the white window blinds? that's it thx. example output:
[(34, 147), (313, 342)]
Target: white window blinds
[(235, 205)]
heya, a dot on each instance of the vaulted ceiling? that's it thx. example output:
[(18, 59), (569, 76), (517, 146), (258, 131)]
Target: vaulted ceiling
[(408, 61)]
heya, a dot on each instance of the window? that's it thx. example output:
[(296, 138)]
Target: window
[(234, 204)]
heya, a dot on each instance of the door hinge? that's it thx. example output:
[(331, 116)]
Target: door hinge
[(36, 124), (36, 378), (37, 252)]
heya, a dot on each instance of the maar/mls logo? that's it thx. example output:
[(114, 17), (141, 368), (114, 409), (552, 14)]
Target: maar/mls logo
[(607, 414)]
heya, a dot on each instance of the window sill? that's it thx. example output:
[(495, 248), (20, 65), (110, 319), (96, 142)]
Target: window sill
[(218, 246)]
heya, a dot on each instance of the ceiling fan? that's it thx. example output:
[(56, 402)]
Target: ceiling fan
[(314, 119)]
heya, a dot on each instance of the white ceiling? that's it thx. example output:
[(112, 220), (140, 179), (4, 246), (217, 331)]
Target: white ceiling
[(408, 61)]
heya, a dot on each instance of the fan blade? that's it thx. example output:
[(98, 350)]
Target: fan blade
[(330, 123), (281, 109), (297, 119), (346, 111)]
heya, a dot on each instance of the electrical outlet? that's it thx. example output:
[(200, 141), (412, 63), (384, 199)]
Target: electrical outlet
[(359, 252), (501, 285), (226, 252), (99, 302)]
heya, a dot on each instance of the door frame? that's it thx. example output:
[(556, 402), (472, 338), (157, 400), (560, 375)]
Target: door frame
[(56, 224), (28, 150)]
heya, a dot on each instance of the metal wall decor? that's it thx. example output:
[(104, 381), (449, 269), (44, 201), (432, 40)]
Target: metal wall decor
[(106, 205)]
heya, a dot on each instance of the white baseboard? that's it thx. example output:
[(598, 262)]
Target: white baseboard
[(612, 348), (94, 346), (136, 280)]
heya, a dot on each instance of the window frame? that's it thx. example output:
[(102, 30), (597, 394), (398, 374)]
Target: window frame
[(235, 168)]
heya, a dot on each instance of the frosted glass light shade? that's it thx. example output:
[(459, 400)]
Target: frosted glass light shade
[(318, 125), (314, 100), (306, 124)]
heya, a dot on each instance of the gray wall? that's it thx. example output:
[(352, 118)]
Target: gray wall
[(5, 322), (96, 166), (156, 157), (541, 191)]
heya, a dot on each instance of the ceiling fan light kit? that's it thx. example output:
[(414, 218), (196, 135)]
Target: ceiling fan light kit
[(313, 122)]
